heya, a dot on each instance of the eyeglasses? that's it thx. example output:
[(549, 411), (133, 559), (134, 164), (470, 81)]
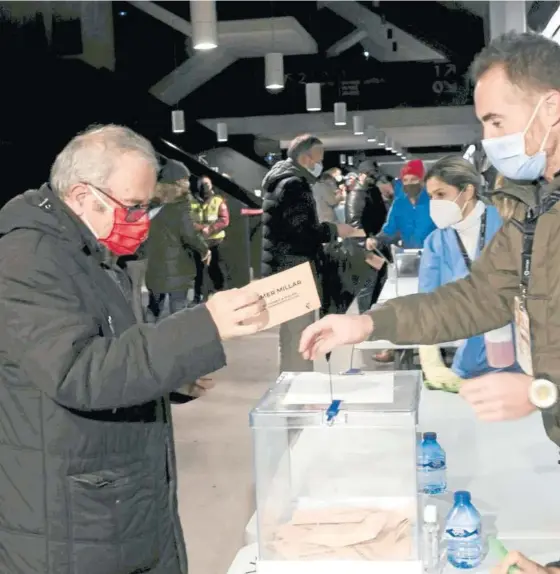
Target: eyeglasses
[(133, 212)]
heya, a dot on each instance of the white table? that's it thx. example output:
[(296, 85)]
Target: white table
[(398, 288), (542, 551)]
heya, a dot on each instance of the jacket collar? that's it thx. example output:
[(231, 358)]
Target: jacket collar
[(75, 230)]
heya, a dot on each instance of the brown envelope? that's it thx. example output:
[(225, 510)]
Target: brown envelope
[(288, 294), (329, 515)]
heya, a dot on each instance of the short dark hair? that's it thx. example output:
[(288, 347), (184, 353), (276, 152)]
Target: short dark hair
[(457, 172), (529, 60), (302, 144)]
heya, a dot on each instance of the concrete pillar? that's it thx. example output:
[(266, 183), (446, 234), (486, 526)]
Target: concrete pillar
[(506, 16)]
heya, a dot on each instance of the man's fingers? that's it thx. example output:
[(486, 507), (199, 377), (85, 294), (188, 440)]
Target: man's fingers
[(244, 330), (244, 298), (522, 562), (309, 335), (249, 312)]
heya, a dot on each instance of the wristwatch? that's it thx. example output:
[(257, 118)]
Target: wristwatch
[(543, 393)]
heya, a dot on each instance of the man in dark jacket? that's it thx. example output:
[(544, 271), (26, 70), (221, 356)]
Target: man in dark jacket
[(365, 209), (87, 456), (292, 233), (173, 242)]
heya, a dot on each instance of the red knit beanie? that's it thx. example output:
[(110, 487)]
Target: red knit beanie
[(413, 167)]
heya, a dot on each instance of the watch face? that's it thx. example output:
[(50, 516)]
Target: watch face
[(543, 394)]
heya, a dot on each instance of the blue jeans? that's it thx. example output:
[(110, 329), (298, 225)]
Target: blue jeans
[(177, 301)]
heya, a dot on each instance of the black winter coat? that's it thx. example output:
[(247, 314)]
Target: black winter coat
[(171, 246), (87, 466), (365, 209), (292, 233)]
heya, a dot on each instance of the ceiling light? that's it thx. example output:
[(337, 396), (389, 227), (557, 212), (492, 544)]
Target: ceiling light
[(342, 159), (381, 139), (350, 160), (340, 114), (221, 132), (358, 124), (371, 134), (274, 71), (313, 97), (178, 121), (204, 23), (366, 54)]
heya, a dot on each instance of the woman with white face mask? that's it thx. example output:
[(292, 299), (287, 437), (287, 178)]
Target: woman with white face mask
[(465, 225)]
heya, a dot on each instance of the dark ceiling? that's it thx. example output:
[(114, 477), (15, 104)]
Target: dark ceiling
[(145, 61)]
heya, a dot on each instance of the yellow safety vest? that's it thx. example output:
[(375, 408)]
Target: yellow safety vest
[(207, 214)]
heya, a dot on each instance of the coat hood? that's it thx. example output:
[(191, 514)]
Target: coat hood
[(284, 170), (41, 210), (523, 191)]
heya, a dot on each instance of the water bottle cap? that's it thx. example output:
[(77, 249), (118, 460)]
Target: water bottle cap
[(462, 496), (430, 436), (430, 514)]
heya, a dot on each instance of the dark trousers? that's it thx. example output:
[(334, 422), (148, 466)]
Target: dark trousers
[(177, 301), (215, 274)]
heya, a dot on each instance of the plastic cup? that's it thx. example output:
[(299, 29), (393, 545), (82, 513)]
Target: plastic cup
[(500, 351)]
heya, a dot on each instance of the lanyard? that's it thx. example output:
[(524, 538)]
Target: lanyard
[(529, 228), (481, 241)]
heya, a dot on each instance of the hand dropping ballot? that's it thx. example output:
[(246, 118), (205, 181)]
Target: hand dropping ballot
[(288, 294)]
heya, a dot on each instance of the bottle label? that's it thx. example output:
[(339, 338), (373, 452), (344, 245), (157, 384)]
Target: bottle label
[(434, 464), (462, 533)]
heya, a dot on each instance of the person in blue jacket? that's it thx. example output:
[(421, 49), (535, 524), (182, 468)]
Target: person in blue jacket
[(409, 218), (465, 225)]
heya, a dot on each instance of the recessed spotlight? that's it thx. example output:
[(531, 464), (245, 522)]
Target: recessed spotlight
[(122, 13), (366, 54)]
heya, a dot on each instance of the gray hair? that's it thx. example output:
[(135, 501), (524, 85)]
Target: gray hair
[(457, 172), (529, 60), (91, 156)]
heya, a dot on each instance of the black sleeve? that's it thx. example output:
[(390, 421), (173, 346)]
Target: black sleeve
[(301, 226), (190, 236), (354, 208), (377, 213), (58, 345)]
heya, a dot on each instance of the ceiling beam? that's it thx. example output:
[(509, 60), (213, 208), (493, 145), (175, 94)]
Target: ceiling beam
[(408, 47), (347, 42)]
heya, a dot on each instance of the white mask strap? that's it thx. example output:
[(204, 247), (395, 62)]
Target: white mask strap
[(534, 115)]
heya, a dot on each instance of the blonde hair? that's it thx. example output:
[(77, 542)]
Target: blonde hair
[(503, 202)]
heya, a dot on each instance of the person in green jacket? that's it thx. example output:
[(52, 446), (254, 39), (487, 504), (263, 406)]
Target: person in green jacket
[(173, 242)]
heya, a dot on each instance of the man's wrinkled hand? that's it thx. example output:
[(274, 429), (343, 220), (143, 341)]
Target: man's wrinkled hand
[(237, 312), (523, 564), (499, 396)]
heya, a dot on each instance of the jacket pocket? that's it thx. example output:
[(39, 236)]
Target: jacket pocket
[(116, 506)]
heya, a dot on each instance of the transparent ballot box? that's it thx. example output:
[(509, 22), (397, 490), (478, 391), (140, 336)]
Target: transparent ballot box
[(406, 261), (338, 495)]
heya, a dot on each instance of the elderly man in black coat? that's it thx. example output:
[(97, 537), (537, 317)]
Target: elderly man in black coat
[(89, 480)]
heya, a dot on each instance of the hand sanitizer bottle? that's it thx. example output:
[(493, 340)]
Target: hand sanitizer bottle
[(431, 540)]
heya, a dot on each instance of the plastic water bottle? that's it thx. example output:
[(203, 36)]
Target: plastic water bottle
[(434, 470), (463, 533)]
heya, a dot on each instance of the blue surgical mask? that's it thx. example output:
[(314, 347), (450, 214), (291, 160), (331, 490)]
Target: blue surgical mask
[(317, 169), (507, 154)]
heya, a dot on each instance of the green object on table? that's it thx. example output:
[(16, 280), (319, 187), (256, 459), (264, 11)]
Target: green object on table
[(500, 551)]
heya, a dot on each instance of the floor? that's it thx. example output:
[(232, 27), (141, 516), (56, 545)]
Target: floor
[(214, 454), (214, 451)]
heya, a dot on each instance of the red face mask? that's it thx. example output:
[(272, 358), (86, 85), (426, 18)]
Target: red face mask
[(125, 236)]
